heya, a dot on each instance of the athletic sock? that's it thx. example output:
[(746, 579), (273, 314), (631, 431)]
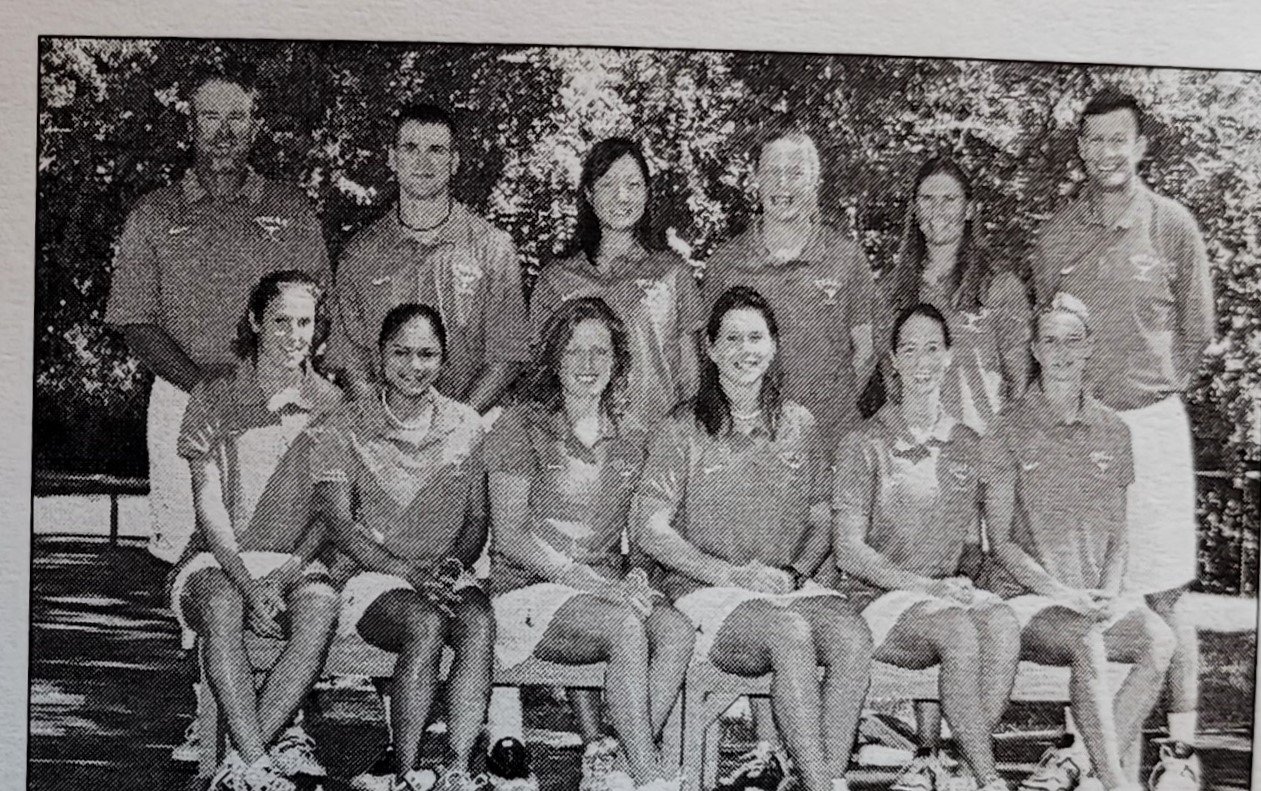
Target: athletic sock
[(1183, 725)]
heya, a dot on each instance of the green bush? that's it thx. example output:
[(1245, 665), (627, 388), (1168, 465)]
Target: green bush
[(112, 126)]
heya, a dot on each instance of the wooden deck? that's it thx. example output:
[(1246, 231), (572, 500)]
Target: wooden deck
[(111, 693)]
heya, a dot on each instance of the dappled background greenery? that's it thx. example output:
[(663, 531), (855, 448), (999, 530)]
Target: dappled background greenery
[(113, 125)]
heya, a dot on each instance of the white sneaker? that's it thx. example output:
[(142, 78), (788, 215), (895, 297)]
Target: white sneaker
[(415, 780), (367, 781), (923, 773), (263, 775), (188, 752), (840, 784), (1179, 769), (1061, 769), (294, 754), (599, 760), (663, 784), (224, 778), (997, 784)]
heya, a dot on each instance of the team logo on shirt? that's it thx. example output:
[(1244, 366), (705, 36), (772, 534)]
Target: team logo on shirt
[(178, 230), (830, 289), (972, 321), (1145, 265), (793, 459), (271, 226), (961, 471), (1101, 459), (656, 299)]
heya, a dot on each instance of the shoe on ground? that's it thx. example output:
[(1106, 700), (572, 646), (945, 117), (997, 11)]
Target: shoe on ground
[(599, 768), (294, 754), (189, 751), (876, 754), (508, 766), (759, 768), (1061, 769), (995, 784), (1178, 770), (840, 784), (235, 775), (663, 784), (926, 772), (423, 779)]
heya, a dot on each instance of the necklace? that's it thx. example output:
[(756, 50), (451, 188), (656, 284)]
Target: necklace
[(423, 229), (418, 423), (745, 415)]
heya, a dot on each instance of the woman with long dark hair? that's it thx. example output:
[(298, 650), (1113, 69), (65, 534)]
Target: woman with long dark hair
[(250, 563), (563, 466), (941, 262), (399, 477), (615, 254), (733, 503), (907, 499)]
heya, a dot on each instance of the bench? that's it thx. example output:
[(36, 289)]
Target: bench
[(708, 692), (354, 656)]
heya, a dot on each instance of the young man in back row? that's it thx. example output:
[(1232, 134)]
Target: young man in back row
[(1138, 262)]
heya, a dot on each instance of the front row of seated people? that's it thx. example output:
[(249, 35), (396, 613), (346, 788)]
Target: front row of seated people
[(698, 543)]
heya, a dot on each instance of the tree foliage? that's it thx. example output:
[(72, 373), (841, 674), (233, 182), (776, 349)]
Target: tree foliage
[(114, 119)]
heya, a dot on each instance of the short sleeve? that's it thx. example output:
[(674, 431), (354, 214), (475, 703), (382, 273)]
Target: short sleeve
[(133, 294), (691, 314), (818, 457), (507, 324), (853, 481), (665, 473), (507, 447), (201, 428), (330, 453), (544, 301), (865, 297), (348, 336)]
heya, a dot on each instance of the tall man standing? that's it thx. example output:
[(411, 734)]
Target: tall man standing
[(188, 255), (1138, 260), (429, 248)]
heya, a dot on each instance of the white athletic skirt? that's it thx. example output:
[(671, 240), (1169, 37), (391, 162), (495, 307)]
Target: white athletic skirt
[(523, 616), (170, 484), (708, 608), (1160, 505), (259, 564), (1027, 606)]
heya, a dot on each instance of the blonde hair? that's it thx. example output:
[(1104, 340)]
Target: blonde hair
[(801, 142)]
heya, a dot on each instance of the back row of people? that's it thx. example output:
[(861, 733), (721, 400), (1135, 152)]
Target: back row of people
[(1134, 258)]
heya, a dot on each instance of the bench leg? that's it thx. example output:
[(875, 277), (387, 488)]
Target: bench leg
[(700, 746), (672, 733)]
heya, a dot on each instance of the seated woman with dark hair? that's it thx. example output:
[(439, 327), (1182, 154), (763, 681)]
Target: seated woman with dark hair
[(401, 481), (563, 467), (907, 499), (733, 503), (250, 563)]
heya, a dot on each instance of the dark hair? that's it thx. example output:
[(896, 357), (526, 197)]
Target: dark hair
[(245, 345), (545, 387), (969, 278), (402, 314), (601, 157), (920, 309), (711, 407), (423, 114), (1111, 99)]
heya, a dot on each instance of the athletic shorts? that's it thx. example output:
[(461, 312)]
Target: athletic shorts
[(258, 564), (1160, 504), (708, 608), (523, 616), (883, 614)]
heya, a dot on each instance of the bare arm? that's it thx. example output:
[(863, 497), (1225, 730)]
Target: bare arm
[(1000, 506), (664, 544), (162, 355), (333, 503), (854, 556), (214, 521), (492, 384)]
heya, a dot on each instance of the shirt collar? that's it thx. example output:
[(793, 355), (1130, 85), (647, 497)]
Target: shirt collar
[(446, 419), (194, 190), (1088, 411), (1128, 219), (454, 230), (753, 253), (890, 415), (250, 391)]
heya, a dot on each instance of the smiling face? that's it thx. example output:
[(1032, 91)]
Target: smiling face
[(586, 364), (921, 357), (423, 159), (743, 349), (942, 209), (412, 359), (787, 179), (620, 195), (1062, 347), (1111, 149), (287, 327), (224, 125)]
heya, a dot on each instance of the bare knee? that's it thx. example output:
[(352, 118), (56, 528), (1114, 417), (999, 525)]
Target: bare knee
[(952, 632), (790, 640), (998, 627), (213, 603), (422, 625), (670, 630), (845, 637), (314, 609), (626, 632), (1161, 642)]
